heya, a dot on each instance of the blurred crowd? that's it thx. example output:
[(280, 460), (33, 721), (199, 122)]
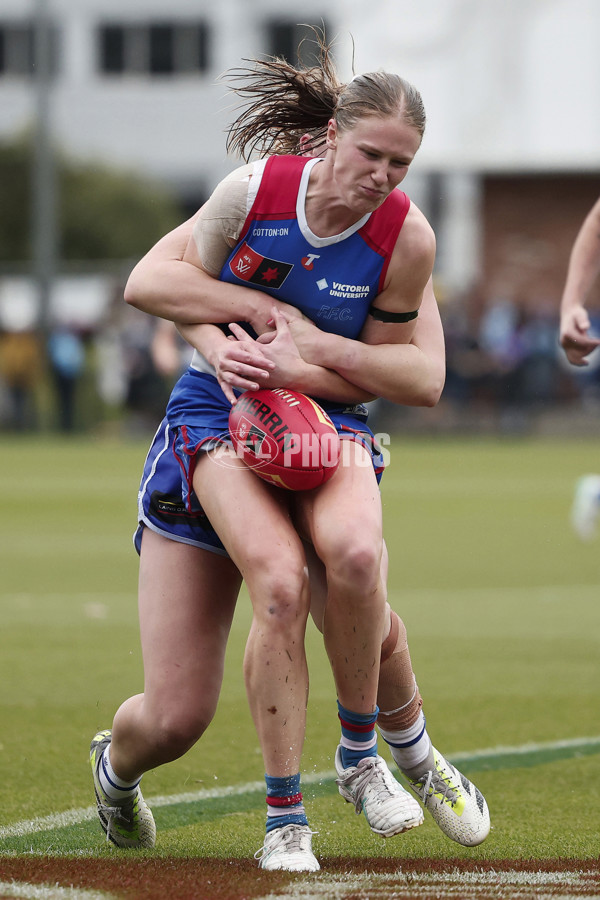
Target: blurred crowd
[(503, 356), (74, 378), (503, 363)]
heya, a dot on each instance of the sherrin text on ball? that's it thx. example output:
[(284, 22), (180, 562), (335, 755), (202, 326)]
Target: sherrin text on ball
[(285, 437)]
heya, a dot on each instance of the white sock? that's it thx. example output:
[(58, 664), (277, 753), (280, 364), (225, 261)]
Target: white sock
[(411, 748), (113, 786)]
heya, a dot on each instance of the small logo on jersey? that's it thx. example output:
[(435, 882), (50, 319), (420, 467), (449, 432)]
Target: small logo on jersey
[(270, 232), (336, 313), (251, 266), (322, 284), (309, 261), (350, 291)]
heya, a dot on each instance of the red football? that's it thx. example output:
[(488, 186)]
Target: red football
[(285, 438)]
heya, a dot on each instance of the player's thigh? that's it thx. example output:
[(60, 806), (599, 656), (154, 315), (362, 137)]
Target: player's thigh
[(187, 598), (251, 517), (344, 514), (317, 575)]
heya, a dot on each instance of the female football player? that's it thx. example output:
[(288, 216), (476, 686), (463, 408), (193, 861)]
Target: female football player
[(345, 230)]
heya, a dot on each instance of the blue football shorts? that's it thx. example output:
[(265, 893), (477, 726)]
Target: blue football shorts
[(160, 503), (167, 502)]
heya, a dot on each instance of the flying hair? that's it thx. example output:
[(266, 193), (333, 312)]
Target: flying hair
[(282, 103)]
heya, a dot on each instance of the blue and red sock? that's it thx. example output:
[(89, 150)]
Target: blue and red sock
[(359, 738), (284, 802)]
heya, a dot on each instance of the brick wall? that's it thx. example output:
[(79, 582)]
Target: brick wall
[(530, 223)]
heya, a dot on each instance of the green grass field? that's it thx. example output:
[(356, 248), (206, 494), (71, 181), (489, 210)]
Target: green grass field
[(502, 605)]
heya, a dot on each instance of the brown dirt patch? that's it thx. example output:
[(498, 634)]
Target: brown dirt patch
[(217, 879)]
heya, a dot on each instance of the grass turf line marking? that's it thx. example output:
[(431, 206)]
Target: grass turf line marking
[(526, 754), (76, 816), (489, 759), (458, 884), (48, 892)]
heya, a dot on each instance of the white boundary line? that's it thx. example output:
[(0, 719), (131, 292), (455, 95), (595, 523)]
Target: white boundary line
[(49, 892), (76, 816), (526, 749), (459, 885)]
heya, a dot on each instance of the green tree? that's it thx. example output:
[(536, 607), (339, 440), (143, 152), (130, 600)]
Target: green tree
[(102, 213), (15, 164)]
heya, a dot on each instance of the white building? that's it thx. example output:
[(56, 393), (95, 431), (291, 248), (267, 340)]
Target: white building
[(512, 90), (137, 83)]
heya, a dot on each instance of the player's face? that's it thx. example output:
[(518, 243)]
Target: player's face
[(371, 158)]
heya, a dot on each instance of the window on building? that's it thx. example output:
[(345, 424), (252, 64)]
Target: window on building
[(161, 49), (112, 49), (17, 49), (153, 48), (294, 42)]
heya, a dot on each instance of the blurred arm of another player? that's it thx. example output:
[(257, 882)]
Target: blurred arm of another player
[(584, 268)]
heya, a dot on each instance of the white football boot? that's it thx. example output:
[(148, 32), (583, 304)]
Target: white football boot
[(126, 823), (288, 849), (457, 806), (373, 790)]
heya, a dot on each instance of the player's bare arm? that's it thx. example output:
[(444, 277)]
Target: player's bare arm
[(238, 364), (584, 268), (246, 364), (172, 282), (411, 374), (292, 371), (381, 361), (409, 271), (166, 285)]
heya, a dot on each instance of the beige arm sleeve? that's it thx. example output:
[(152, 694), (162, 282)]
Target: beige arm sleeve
[(218, 227)]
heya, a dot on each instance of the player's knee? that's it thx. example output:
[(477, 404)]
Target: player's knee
[(281, 596), (357, 562), (176, 731)]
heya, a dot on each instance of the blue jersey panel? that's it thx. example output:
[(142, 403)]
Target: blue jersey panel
[(332, 280), (321, 285)]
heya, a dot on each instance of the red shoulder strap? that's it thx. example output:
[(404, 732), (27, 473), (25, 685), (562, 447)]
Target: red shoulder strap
[(384, 225), (382, 230), (278, 190)]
